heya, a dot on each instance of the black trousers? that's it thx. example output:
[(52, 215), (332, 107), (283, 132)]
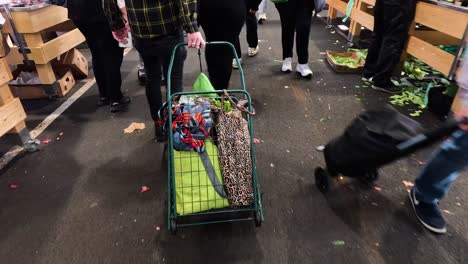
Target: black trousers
[(296, 16), (252, 33), (221, 21), (156, 54), (392, 19), (107, 58)]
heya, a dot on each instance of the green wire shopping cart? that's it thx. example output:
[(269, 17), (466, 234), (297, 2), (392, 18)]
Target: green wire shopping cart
[(195, 196)]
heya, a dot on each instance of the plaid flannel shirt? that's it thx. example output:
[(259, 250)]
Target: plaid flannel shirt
[(154, 18)]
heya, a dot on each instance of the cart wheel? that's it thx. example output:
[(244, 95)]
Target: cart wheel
[(32, 145), (173, 227), (258, 218), (322, 179), (370, 177), (52, 97)]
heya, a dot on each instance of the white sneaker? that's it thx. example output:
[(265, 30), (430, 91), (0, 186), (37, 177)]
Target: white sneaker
[(287, 65), (234, 63), (261, 18), (253, 51), (304, 70)]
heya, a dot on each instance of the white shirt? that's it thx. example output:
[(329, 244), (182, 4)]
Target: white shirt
[(121, 3)]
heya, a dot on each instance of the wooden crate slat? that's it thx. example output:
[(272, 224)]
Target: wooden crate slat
[(62, 44), (49, 50), (338, 5), (11, 114), (37, 20), (436, 37), (364, 19), (369, 2), (5, 73), (449, 21), (431, 55), (5, 94)]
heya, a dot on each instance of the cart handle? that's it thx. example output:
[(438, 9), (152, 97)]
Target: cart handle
[(171, 64), (429, 137)]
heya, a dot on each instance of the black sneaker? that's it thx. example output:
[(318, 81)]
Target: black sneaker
[(120, 105), (391, 89), (102, 101), (158, 131), (428, 214)]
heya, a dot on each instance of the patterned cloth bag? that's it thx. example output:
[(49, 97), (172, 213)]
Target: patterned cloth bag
[(234, 152)]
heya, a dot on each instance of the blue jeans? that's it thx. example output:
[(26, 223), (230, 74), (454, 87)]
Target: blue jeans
[(443, 169)]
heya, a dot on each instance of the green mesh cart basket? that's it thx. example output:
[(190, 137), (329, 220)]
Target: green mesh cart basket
[(193, 197)]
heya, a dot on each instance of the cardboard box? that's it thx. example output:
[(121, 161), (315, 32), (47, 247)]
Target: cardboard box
[(74, 60), (341, 68), (66, 81)]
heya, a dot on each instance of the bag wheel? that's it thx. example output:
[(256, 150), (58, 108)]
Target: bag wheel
[(370, 177), (258, 218), (322, 179)]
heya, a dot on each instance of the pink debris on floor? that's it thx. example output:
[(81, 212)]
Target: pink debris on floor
[(256, 141), (144, 189), (408, 183), (13, 186), (46, 141)]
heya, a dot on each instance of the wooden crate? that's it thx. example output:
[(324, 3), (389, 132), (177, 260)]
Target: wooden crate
[(65, 83), (12, 114), (451, 25), (34, 26), (335, 6), (5, 73), (74, 60)]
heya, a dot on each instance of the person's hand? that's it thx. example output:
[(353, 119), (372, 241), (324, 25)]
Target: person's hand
[(463, 113), (121, 35), (195, 40), (125, 17), (251, 11)]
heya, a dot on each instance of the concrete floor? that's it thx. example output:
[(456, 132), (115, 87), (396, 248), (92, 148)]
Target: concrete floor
[(79, 198)]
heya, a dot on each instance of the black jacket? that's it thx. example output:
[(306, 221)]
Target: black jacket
[(252, 4), (86, 11)]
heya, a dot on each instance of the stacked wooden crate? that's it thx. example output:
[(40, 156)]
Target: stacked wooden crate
[(445, 24), (36, 26), (12, 114)]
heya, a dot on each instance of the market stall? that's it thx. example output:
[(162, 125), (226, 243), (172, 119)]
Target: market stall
[(41, 33), (435, 23)]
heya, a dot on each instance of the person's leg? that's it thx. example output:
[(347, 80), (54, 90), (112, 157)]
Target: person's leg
[(218, 59), (252, 34), (443, 169), (286, 13), (397, 18), (153, 64), (238, 47), (436, 178), (375, 48), (303, 24), (177, 75), (92, 37), (223, 22), (114, 63)]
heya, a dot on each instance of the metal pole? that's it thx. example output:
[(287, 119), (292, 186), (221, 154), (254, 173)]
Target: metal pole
[(18, 37)]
